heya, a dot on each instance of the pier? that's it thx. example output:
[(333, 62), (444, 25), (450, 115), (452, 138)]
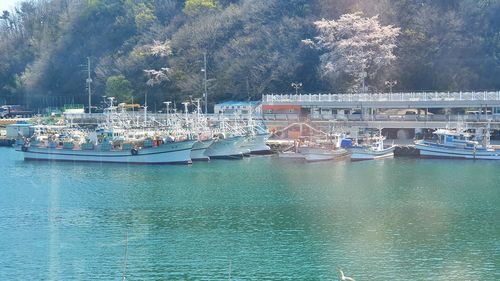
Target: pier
[(389, 110), (401, 115), (389, 100)]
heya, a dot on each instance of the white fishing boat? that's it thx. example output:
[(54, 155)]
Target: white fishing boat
[(376, 149), (256, 144), (256, 138), (457, 144), (199, 149), (225, 148), (164, 153)]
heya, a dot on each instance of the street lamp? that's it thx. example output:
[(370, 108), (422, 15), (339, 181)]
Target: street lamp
[(297, 85), (390, 84)]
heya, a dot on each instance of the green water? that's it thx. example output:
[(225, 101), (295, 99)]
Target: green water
[(255, 219)]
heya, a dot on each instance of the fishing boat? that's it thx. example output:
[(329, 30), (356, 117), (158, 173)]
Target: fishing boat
[(149, 153), (376, 149), (458, 144), (256, 138), (199, 149), (225, 147), (256, 144)]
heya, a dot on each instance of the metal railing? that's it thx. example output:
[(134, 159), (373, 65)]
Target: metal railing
[(383, 97), (385, 117)]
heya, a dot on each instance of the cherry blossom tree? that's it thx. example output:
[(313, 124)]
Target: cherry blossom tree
[(355, 47)]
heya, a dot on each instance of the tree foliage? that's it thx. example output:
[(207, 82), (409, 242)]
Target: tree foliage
[(197, 5), (252, 47), (119, 88), (354, 46)]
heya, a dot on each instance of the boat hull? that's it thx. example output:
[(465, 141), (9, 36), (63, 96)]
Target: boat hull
[(168, 153), (430, 151), (291, 155), (319, 154)]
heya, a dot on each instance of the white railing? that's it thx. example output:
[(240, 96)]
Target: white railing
[(385, 118), (384, 97)]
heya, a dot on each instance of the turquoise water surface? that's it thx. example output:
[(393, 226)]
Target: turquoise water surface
[(256, 219)]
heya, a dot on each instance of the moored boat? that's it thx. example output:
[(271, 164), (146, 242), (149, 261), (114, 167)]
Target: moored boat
[(456, 144), (256, 144), (317, 150), (166, 153), (360, 154), (375, 150), (199, 148), (291, 155), (316, 154), (225, 148)]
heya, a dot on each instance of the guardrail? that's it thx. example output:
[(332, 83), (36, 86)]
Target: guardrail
[(383, 97), (384, 117)]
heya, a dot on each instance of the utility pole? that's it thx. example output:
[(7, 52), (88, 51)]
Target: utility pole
[(364, 74), (89, 81), (205, 82), (145, 107)]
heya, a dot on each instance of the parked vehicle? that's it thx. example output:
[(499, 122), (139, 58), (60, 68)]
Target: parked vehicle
[(12, 111)]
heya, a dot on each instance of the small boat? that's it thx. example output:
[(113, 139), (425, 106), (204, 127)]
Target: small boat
[(458, 144), (317, 150), (375, 150), (316, 154), (291, 155)]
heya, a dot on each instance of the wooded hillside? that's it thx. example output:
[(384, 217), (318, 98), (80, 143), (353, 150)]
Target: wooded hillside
[(252, 47)]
